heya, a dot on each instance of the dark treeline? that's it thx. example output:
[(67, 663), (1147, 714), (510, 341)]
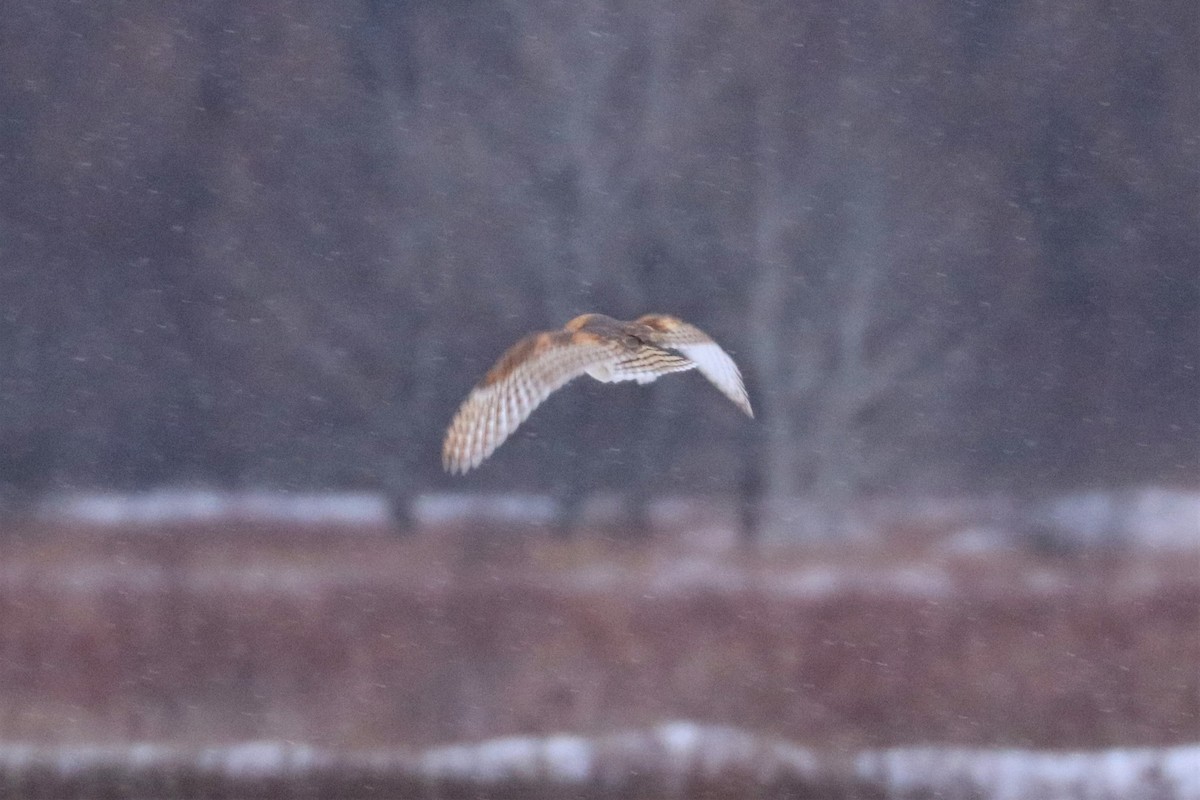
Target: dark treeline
[(954, 245)]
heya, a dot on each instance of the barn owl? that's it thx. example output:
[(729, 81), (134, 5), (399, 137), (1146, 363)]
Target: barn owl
[(607, 349)]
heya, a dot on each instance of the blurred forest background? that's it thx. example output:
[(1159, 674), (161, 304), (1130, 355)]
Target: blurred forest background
[(954, 245)]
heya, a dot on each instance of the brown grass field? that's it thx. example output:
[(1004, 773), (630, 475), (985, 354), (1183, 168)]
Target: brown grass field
[(350, 639)]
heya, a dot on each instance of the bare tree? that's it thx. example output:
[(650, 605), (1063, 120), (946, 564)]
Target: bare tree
[(838, 330)]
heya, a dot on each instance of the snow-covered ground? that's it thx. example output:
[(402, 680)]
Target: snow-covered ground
[(683, 749), (175, 506), (669, 755), (1153, 517), (1147, 516), (515, 508)]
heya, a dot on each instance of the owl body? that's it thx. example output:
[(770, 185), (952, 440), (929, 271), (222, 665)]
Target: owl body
[(606, 349)]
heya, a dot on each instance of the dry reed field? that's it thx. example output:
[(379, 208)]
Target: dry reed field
[(201, 636)]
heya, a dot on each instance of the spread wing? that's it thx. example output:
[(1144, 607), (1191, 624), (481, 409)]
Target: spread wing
[(523, 377), (713, 362)]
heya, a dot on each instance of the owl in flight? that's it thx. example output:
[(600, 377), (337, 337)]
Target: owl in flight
[(607, 349)]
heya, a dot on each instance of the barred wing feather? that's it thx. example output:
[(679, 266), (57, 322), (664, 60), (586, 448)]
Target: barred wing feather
[(524, 376)]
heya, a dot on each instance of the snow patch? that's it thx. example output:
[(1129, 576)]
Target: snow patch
[(442, 508), (1018, 774), (560, 758), (167, 506), (1147, 516), (670, 752), (258, 759)]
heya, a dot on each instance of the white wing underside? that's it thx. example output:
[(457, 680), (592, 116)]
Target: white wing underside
[(716, 365)]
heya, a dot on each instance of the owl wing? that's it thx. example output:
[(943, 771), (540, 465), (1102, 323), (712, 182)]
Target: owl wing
[(523, 377), (648, 363), (712, 361)]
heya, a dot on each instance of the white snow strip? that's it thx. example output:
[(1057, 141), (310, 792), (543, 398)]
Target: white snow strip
[(1018, 774), (670, 751), (259, 759), (559, 758), (1155, 517), (1149, 516), (165, 506), (442, 508), (680, 748)]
